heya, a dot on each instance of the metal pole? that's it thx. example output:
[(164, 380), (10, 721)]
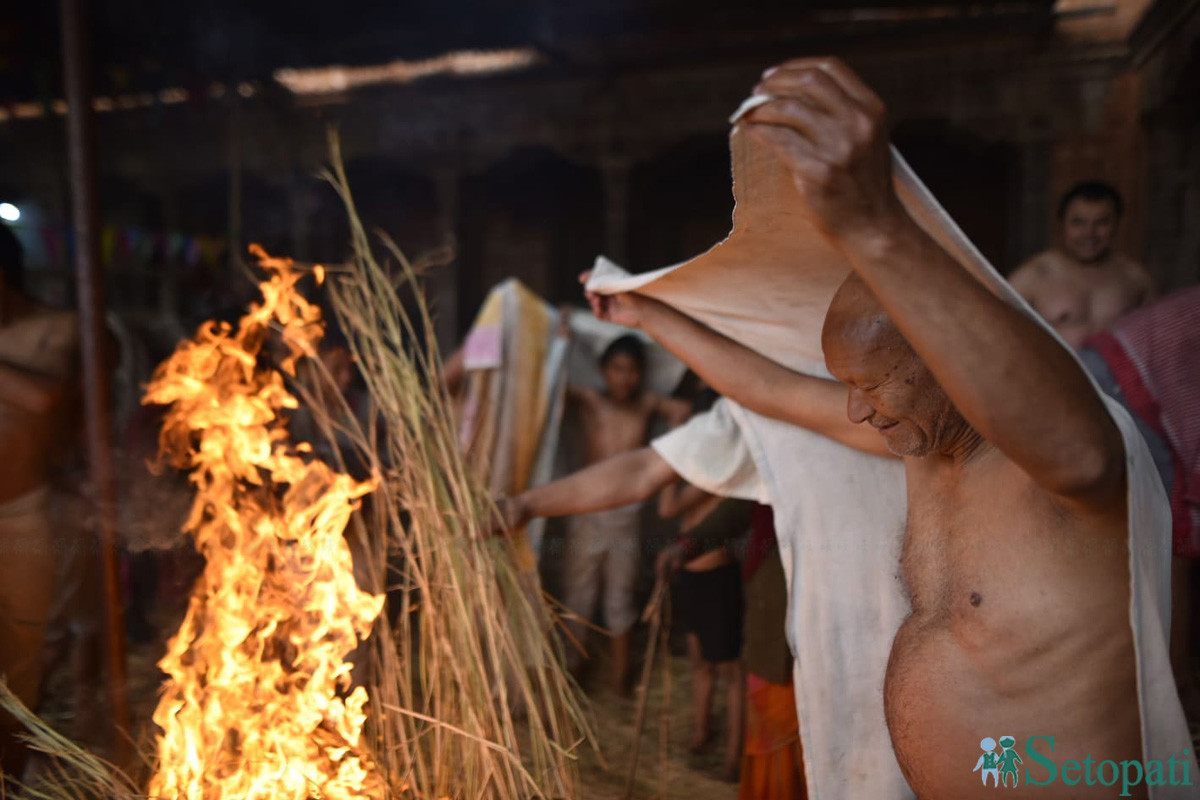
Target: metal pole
[(82, 161)]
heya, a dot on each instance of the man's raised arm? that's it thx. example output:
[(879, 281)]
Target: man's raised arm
[(1006, 375), (741, 374)]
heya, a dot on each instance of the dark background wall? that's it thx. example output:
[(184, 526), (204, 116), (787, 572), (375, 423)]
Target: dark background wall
[(614, 142)]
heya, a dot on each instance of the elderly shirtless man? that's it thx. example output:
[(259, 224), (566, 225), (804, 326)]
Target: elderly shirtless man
[(1084, 286), (1015, 552), (37, 353)]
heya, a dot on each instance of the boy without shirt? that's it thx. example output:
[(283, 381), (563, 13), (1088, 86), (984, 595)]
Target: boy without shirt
[(602, 548)]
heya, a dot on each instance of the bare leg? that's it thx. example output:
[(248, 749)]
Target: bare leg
[(581, 588), (703, 680), (28, 581), (735, 712)]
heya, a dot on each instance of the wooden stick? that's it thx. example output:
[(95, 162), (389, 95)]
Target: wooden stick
[(654, 613), (664, 722)]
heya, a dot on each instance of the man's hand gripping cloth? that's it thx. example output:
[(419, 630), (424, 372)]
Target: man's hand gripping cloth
[(840, 513)]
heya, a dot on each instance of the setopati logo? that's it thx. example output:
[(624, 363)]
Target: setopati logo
[(998, 767), (995, 765)]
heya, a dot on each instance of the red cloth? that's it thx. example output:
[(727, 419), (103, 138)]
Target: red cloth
[(1154, 355), (762, 540)]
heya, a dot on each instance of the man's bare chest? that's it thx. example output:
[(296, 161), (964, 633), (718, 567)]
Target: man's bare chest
[(969, 540), (613, 428), (1093, 296)]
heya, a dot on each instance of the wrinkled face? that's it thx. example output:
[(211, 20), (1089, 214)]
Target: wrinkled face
[(891, 389), (1088, 228), (622, 376)]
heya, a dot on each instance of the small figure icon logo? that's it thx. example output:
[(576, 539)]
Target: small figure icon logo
[(1009, 760), (989, 762)]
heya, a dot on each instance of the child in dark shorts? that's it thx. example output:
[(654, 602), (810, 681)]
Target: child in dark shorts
[(709, 607)]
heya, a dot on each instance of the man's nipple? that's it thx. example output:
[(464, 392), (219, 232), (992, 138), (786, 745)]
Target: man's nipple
[(976, 599)]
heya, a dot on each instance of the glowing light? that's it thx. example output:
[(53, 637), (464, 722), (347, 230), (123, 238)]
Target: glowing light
[(173, 95), (27, 110), (9, 212), (326, 80)]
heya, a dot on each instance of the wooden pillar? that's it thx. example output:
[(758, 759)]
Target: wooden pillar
[(445, 284), (97, 397), (1033, 211), (615, 175)]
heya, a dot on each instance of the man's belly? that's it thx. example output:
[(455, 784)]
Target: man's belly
[(945, 694)]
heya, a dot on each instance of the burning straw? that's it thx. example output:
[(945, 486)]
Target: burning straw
[(458, 689)]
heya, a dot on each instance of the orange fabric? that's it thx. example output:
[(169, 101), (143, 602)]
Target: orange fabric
[(772, 761)]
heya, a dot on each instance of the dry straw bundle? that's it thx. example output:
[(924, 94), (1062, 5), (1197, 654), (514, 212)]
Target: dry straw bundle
[(467, 695), (469, 650)]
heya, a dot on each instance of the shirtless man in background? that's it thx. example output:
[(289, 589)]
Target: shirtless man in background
[(1085, 286), (38, 348), (616, 420)]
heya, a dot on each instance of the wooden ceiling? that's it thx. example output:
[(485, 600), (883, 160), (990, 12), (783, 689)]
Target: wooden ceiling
[(148, 46)]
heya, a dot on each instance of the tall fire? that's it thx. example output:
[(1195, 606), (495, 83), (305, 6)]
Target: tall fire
[(257, 703)]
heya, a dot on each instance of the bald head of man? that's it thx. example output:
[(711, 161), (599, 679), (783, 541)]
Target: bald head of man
[(890, 388)]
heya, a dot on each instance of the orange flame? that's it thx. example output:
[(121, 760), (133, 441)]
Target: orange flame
[(255, 704)]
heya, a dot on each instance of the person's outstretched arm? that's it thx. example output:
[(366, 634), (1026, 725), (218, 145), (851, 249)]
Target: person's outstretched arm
[(618, 481), (1018, 387), (741, 374)]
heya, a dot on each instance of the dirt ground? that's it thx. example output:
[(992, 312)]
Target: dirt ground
[(665, 768)]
